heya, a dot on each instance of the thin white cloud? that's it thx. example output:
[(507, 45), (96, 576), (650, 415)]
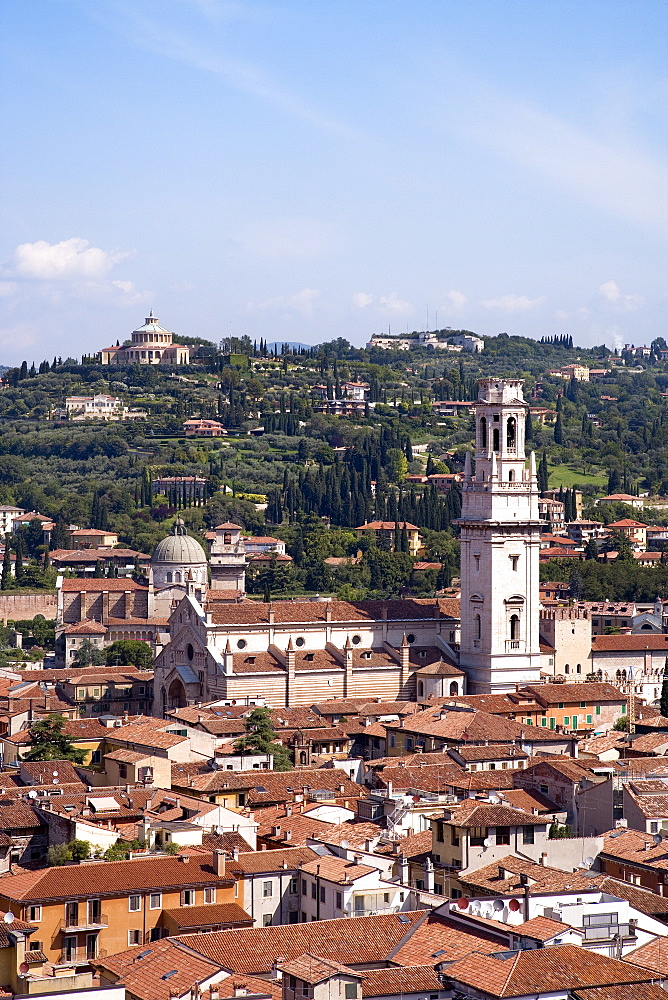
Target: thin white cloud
[(69, 269), (455, 299), (619, 180), (302, 303), (362, 299), (394, 305), (207, 53), (513, 303), (70, 259), (612, 293)]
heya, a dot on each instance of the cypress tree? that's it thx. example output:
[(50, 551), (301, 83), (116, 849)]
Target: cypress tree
[(5, 584), (664, 691), (558, 430)]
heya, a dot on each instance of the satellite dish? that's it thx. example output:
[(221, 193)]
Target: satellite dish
[(55, 781), (487, 842), (463, 903), (32, 794), (657, 838), (494, 799), (498, 904), (24, 968), (9, 917), (55, 774), (514, 905), (589, 862)]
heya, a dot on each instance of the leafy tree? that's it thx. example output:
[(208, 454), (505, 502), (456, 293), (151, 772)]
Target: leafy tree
[(89, 655), (63, 854), (621, 724), (49, 741), (6, 582), (129, 652), (260, 738)]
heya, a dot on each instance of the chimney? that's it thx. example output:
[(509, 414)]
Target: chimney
[(502, 872), (219, 863), (543, 858), (276, 971), (235, 853), (184, 858), (328, 613), (270, 614)]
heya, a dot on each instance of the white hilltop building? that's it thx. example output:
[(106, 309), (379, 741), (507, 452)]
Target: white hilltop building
[(151, 345), (500, 541)]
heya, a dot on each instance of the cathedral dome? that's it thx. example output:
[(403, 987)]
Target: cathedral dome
[(178, 558)]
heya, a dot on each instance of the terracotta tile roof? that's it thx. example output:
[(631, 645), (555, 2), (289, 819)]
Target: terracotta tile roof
[(18, 815), (641, 991), (110, 878), (541, 877), (644, 900), (589, 691), (285, 612), (541, 970), (647, 743), (429, 778), (411, 979), (472, 812), (43, 771), (230, 914), (522, 798), (265, 787), (360, 940), (338, 870), (437, 939), (255, 987), (76, 584), (354, 833), (637, 847), (650, 797), (629, 643), (467, 726), (159, 970), (259, 862), (494, 752), (314, 970), (540, 928), (652, 956), (228, 841), (85, 628), (411, 846), (296, 829)]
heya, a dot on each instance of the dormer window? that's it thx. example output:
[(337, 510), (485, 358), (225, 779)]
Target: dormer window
[(309, 657)]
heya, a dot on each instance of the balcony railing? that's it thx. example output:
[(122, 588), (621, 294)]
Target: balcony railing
[(608, 932), (512, 644)]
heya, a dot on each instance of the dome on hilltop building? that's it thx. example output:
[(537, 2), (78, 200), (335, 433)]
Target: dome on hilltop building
[(178, 558)]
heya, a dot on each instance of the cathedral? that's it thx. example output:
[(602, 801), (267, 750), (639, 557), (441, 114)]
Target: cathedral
[(301, 651)]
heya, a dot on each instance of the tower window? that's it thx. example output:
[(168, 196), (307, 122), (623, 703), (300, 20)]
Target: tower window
[(514, 560), (511, 432), (476, 561), (483, 432), (477, 626), (514, 628), (496, 439)]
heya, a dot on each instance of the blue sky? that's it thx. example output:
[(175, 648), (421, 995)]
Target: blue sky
[(308, 170)]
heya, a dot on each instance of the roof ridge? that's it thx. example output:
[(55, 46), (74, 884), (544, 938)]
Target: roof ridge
[(408, 935)]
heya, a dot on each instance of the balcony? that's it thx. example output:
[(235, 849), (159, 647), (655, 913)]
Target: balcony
[(610, 932), (512, 645), (86, 922)]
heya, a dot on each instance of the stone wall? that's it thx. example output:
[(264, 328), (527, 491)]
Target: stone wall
[(15, 607)]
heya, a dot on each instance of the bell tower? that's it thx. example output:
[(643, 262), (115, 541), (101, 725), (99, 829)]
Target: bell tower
[(500, 542)]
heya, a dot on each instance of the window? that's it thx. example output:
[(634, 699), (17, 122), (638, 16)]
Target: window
[(314, 891), (560, 705), (598, 709), (589, 720), (210, 895), (543, 721), (553, 722), (294, 886), (134, 903), (188, 897), (478, 836), (267, 889), (439, 832), (514, 560), (35, 946), (155, 901), (303, 887), (623, 709), (300, 641), (514, 627), (134, 937), (122, 770), (339, 900), (503, 835), (653, 827), (351, 991), (82, 693), (528, 835), (266, 919), (454, 836), (409, 743), (567, 720), (322, 894), (34, 913), (583, 704), (476, 561)]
